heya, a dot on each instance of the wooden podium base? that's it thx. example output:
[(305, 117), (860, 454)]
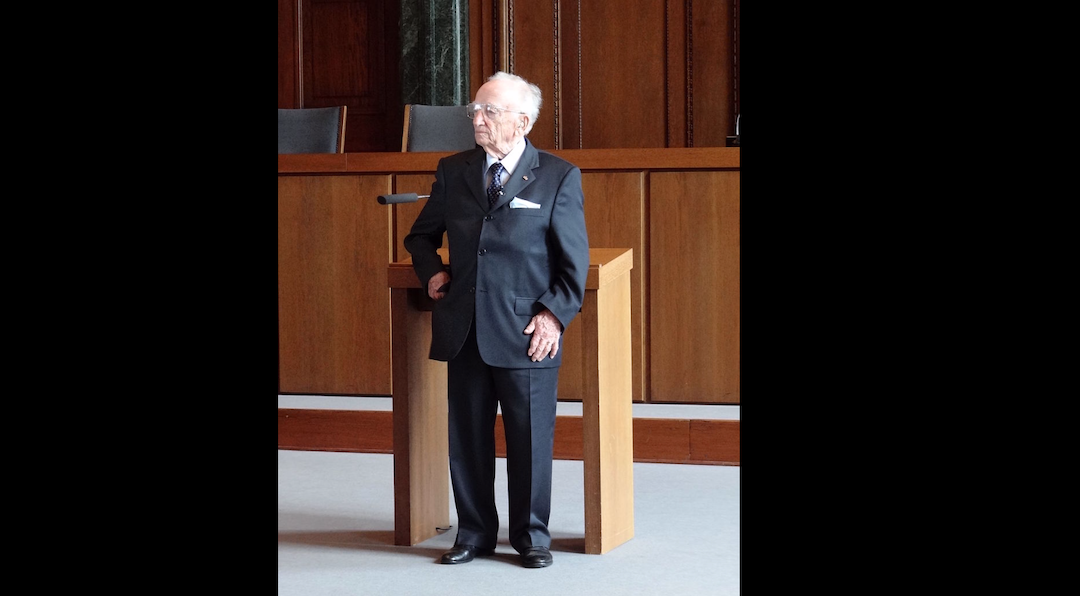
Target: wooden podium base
[(421, 457)]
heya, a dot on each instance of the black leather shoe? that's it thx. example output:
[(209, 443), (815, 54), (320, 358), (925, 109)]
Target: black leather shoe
[(536, 556), (463, 553)]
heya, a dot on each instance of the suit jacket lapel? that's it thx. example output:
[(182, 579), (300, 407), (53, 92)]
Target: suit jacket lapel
[(523, 175), (475, 181)]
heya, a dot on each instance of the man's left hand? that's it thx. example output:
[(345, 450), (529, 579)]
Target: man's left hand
[(545, 329)]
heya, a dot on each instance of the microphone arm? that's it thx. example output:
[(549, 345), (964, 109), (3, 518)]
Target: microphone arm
[(405, 197)]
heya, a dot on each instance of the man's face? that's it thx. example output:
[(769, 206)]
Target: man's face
[(498, 134)]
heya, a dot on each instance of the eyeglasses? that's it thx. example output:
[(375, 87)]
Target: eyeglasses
[(490, 110)]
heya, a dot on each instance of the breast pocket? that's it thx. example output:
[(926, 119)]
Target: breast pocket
[(523, 212)]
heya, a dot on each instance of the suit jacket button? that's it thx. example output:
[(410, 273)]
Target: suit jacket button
[(482, 251)]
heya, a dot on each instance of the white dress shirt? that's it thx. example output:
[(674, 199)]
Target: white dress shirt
[(509, 162)]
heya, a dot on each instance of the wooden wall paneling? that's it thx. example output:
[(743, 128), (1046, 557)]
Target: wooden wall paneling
[(405, 213), (350, 57), (532, 55), (333, 310), (313, 163), (715, 441), (503, 37), (677, 27), (481, 43), (631, 74), (713, 79), (661, 440), (694, 296), (623, 68), (656, 440), (614, 218), (288, 54), (701, 158), (336, 430), (569, 437), (568, 76), (737, 59)]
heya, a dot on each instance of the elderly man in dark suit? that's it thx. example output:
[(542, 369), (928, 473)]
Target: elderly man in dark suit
[(519, 253)]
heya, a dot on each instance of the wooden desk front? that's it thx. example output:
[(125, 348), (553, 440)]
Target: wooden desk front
[(678, 209)]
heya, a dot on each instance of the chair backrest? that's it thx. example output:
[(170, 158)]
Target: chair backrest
[(311, 130), (436, 128)]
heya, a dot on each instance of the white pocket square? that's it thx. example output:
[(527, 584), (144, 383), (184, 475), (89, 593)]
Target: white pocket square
[(519, 203)]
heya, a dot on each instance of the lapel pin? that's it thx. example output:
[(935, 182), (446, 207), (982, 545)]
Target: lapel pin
[(526, 178)]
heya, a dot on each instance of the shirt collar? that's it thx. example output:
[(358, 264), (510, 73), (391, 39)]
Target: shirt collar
[(511, 160)]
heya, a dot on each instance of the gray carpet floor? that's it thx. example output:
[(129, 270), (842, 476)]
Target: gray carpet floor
[(336, 535)]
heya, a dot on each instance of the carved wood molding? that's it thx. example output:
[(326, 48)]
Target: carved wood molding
[(735, 54), (689, 73), (667, 74), (580, 97), (556, 51), (510, 36), (500, 33)]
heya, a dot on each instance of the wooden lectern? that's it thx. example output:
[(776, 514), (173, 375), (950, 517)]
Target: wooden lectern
[(421, 458)]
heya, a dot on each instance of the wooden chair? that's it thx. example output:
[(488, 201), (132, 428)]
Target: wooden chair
[(311, 130), (436, 128)]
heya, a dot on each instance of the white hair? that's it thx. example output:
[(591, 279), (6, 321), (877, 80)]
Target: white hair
[(532, 96)]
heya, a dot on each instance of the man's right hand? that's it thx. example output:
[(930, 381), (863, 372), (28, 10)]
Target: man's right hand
[(436, 283)]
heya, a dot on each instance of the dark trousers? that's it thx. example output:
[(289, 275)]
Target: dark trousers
[(528, 398)]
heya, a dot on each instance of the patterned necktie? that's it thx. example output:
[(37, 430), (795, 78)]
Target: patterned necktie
[(495, 188)]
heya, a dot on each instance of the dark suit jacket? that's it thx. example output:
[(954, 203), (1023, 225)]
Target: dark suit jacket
[(506, 264)]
